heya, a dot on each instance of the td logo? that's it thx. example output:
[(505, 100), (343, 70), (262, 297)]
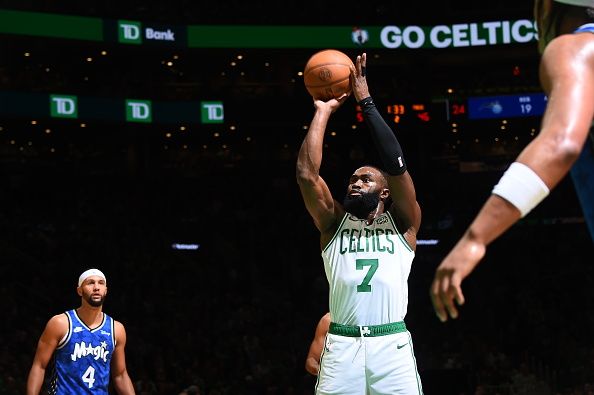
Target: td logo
[(138, 111), (62, 106), (212, 112), (129, 32)]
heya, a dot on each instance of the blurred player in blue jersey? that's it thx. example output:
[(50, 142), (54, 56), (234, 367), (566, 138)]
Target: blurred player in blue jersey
[(566, 41), (86, 344)]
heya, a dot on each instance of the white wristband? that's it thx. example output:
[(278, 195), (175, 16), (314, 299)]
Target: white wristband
[(522, 187)]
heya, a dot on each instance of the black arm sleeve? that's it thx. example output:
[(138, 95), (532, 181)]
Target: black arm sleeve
[(384, 139)]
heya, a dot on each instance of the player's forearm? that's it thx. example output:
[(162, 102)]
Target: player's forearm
[(495, 217), (552, 154), (35, 380), (312, 366), (123, 384), (385, 141)]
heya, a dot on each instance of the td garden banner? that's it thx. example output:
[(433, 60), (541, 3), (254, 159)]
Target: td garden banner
[(132, 32)]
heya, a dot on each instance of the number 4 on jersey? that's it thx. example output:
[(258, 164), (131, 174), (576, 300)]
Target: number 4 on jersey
[(89, 376)]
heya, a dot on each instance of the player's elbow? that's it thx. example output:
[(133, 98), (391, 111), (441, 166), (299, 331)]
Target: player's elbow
[(119, 375), (556, 148), (569, 150), (565, 149)]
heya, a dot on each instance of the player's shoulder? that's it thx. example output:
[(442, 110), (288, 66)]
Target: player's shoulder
[(328, 231), (119, 331), (61, 318), (58, 324), (325, 320), (409, 232), (118, 324), (567, 46)]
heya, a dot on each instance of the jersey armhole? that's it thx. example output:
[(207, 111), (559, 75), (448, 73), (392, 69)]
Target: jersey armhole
[(66, 337), (400, 236), (113, 337), (344, 217)]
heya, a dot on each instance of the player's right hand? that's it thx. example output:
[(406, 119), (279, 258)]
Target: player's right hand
[(332, 104), (446, 287)]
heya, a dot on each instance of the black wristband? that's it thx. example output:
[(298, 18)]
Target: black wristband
[(366, 101)]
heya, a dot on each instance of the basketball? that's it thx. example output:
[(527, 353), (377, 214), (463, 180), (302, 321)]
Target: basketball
[(326, 74)]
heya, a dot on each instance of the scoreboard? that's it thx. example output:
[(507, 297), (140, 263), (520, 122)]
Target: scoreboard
[(506, 106), (405, 112), (471, 108)]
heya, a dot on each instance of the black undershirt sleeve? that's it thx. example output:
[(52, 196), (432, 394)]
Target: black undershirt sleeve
[(385, 140)]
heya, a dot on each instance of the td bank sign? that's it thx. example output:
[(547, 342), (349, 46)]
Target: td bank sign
[(133, 32)]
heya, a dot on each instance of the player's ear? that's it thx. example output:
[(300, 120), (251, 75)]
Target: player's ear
[(79, 291), (384, 194)]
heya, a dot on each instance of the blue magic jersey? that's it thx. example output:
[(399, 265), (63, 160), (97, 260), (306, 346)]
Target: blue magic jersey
[(83, 357), (367, 267), (588, 27)]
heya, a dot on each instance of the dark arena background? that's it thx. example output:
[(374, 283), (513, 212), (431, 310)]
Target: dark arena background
[(157, 141)]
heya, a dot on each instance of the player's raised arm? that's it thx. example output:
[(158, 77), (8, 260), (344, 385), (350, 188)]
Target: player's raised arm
[(316, 194), (405, 208)]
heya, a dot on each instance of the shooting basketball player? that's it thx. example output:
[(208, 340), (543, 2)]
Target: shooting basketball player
[(86, 345), (367, 248)]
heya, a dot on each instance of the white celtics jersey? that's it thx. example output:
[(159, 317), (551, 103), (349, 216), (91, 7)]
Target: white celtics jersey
[(367, 267)]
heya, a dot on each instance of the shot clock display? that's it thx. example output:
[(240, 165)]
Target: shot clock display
[(399, 112)]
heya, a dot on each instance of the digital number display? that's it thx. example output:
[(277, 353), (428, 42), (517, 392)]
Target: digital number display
[(399, 112), (507, 106)]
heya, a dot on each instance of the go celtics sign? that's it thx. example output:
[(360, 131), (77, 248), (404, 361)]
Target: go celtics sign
[(453, 36)]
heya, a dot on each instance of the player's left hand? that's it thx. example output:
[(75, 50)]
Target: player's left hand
[(359, 78), (446, 287)]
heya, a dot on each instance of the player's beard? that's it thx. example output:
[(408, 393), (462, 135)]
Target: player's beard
[(93, 302), (361, 205)]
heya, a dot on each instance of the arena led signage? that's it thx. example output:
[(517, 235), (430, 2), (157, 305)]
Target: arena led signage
[(495, 32), (114, 109), (507, 106), (136, 32), (459, 35), (389, 37)]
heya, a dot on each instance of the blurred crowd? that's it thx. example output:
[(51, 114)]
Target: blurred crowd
[(236, 315)]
